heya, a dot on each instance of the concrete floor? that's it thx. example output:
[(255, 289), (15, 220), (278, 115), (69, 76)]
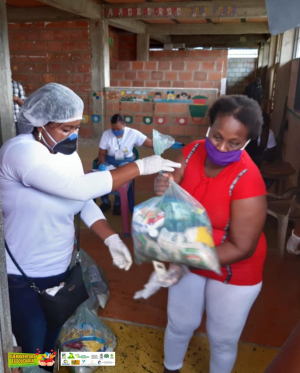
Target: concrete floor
[(139, 325)]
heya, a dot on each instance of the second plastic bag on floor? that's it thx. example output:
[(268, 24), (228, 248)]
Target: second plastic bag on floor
[(85, 332), (174, 228), (95, 281)]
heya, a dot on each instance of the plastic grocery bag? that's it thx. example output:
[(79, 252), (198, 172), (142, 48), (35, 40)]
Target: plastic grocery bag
[(174, 228), (95, 281), (85, 332), (171, 277), (161, 142)]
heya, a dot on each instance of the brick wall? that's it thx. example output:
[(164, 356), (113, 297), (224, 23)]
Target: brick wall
[(168, 74), (44, 52), (213, 60), (240, 72), (113, 45), (150, 109), (127, 47)]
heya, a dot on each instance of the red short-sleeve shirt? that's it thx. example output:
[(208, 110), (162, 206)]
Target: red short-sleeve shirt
[(239, 180)]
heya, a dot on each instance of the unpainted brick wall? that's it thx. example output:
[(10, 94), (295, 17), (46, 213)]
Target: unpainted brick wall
[(196, 73), (210, 61), (240, 72), (114, 45), (45, 52), (127, 47)]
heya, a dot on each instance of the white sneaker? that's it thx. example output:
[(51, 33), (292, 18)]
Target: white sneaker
[(292, 245)]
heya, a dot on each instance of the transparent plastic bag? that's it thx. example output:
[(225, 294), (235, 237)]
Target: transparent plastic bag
[(161, 142), (174, 228), (95, 281), (85, 332)]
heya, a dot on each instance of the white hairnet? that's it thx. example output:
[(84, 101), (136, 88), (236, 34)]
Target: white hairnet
[(50, 103)]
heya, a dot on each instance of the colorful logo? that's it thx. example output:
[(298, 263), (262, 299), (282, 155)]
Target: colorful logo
[(19, 360), (71, 356), (75, 362), (47, 358)]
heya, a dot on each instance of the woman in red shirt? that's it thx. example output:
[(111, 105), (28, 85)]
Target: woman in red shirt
[(224, 179)]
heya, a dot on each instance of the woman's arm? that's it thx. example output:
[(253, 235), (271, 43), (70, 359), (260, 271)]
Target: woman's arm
[(161, 182), (247, 220), (148, 143), (102, 229), (101, 156)]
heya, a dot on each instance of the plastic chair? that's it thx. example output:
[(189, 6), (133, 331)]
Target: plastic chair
[(284, 208)]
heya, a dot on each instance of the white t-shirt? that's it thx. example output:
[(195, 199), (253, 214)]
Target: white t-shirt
[(130, 138), (41, 192), (271, 140)]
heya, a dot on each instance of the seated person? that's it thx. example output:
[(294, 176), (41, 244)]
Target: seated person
[(115, 149)]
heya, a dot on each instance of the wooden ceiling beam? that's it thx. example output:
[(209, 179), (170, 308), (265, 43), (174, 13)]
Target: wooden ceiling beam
[(186, 10), (138, 27), (129, 25), (38, 14), (221, 41), (209, 29), (84, 8)]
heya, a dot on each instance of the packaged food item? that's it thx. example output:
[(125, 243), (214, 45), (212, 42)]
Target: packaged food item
[(85, 332), (174, 228)]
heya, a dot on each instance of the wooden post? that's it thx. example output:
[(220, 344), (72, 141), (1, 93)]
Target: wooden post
[(100, 70), (264, 67), (283, 78), (270, 74), (142, 46), (7, 125)]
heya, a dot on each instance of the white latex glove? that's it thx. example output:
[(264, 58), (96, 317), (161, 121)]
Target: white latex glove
[(119, 252), (173, 275), (293, 244), (154, 164)]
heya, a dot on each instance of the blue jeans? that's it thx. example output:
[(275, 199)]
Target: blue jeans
[(111, 161), (28, 320)]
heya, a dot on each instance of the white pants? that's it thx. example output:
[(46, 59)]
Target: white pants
[(227, 308)]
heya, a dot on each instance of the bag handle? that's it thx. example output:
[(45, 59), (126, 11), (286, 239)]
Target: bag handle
[(32, 284)]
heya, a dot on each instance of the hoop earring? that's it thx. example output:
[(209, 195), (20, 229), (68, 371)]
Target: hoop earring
[(40, 136)]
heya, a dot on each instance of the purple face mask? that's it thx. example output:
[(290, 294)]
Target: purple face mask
[(219, 158)]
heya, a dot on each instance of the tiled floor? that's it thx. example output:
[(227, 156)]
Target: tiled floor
[(139, 324)]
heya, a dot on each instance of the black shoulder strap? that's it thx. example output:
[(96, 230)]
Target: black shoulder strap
[(78, 232), (17, 265), (191, 153), (31, 284)]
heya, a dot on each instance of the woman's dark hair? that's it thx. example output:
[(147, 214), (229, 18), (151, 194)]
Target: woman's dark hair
[(117, 118), (244, 109)]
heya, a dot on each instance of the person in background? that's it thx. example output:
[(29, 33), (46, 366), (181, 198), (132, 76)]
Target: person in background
[(18, 98), (254, 90), (43, 185), (115, 149), (264, 147), (219, 174)]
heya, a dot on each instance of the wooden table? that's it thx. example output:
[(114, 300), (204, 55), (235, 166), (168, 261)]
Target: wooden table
[(278, 170)]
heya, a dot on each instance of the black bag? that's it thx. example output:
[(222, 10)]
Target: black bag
[(63, 304)]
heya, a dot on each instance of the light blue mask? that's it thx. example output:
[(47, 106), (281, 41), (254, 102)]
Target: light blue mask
[(118, 133)]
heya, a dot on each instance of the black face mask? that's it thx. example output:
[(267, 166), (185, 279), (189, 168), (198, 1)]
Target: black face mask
[(66, 146)]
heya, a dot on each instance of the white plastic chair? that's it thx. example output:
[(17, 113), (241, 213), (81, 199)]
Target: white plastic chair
[(284, 208)]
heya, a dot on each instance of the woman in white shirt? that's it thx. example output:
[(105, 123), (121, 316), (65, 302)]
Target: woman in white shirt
[(115, 149), (43, 186)]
